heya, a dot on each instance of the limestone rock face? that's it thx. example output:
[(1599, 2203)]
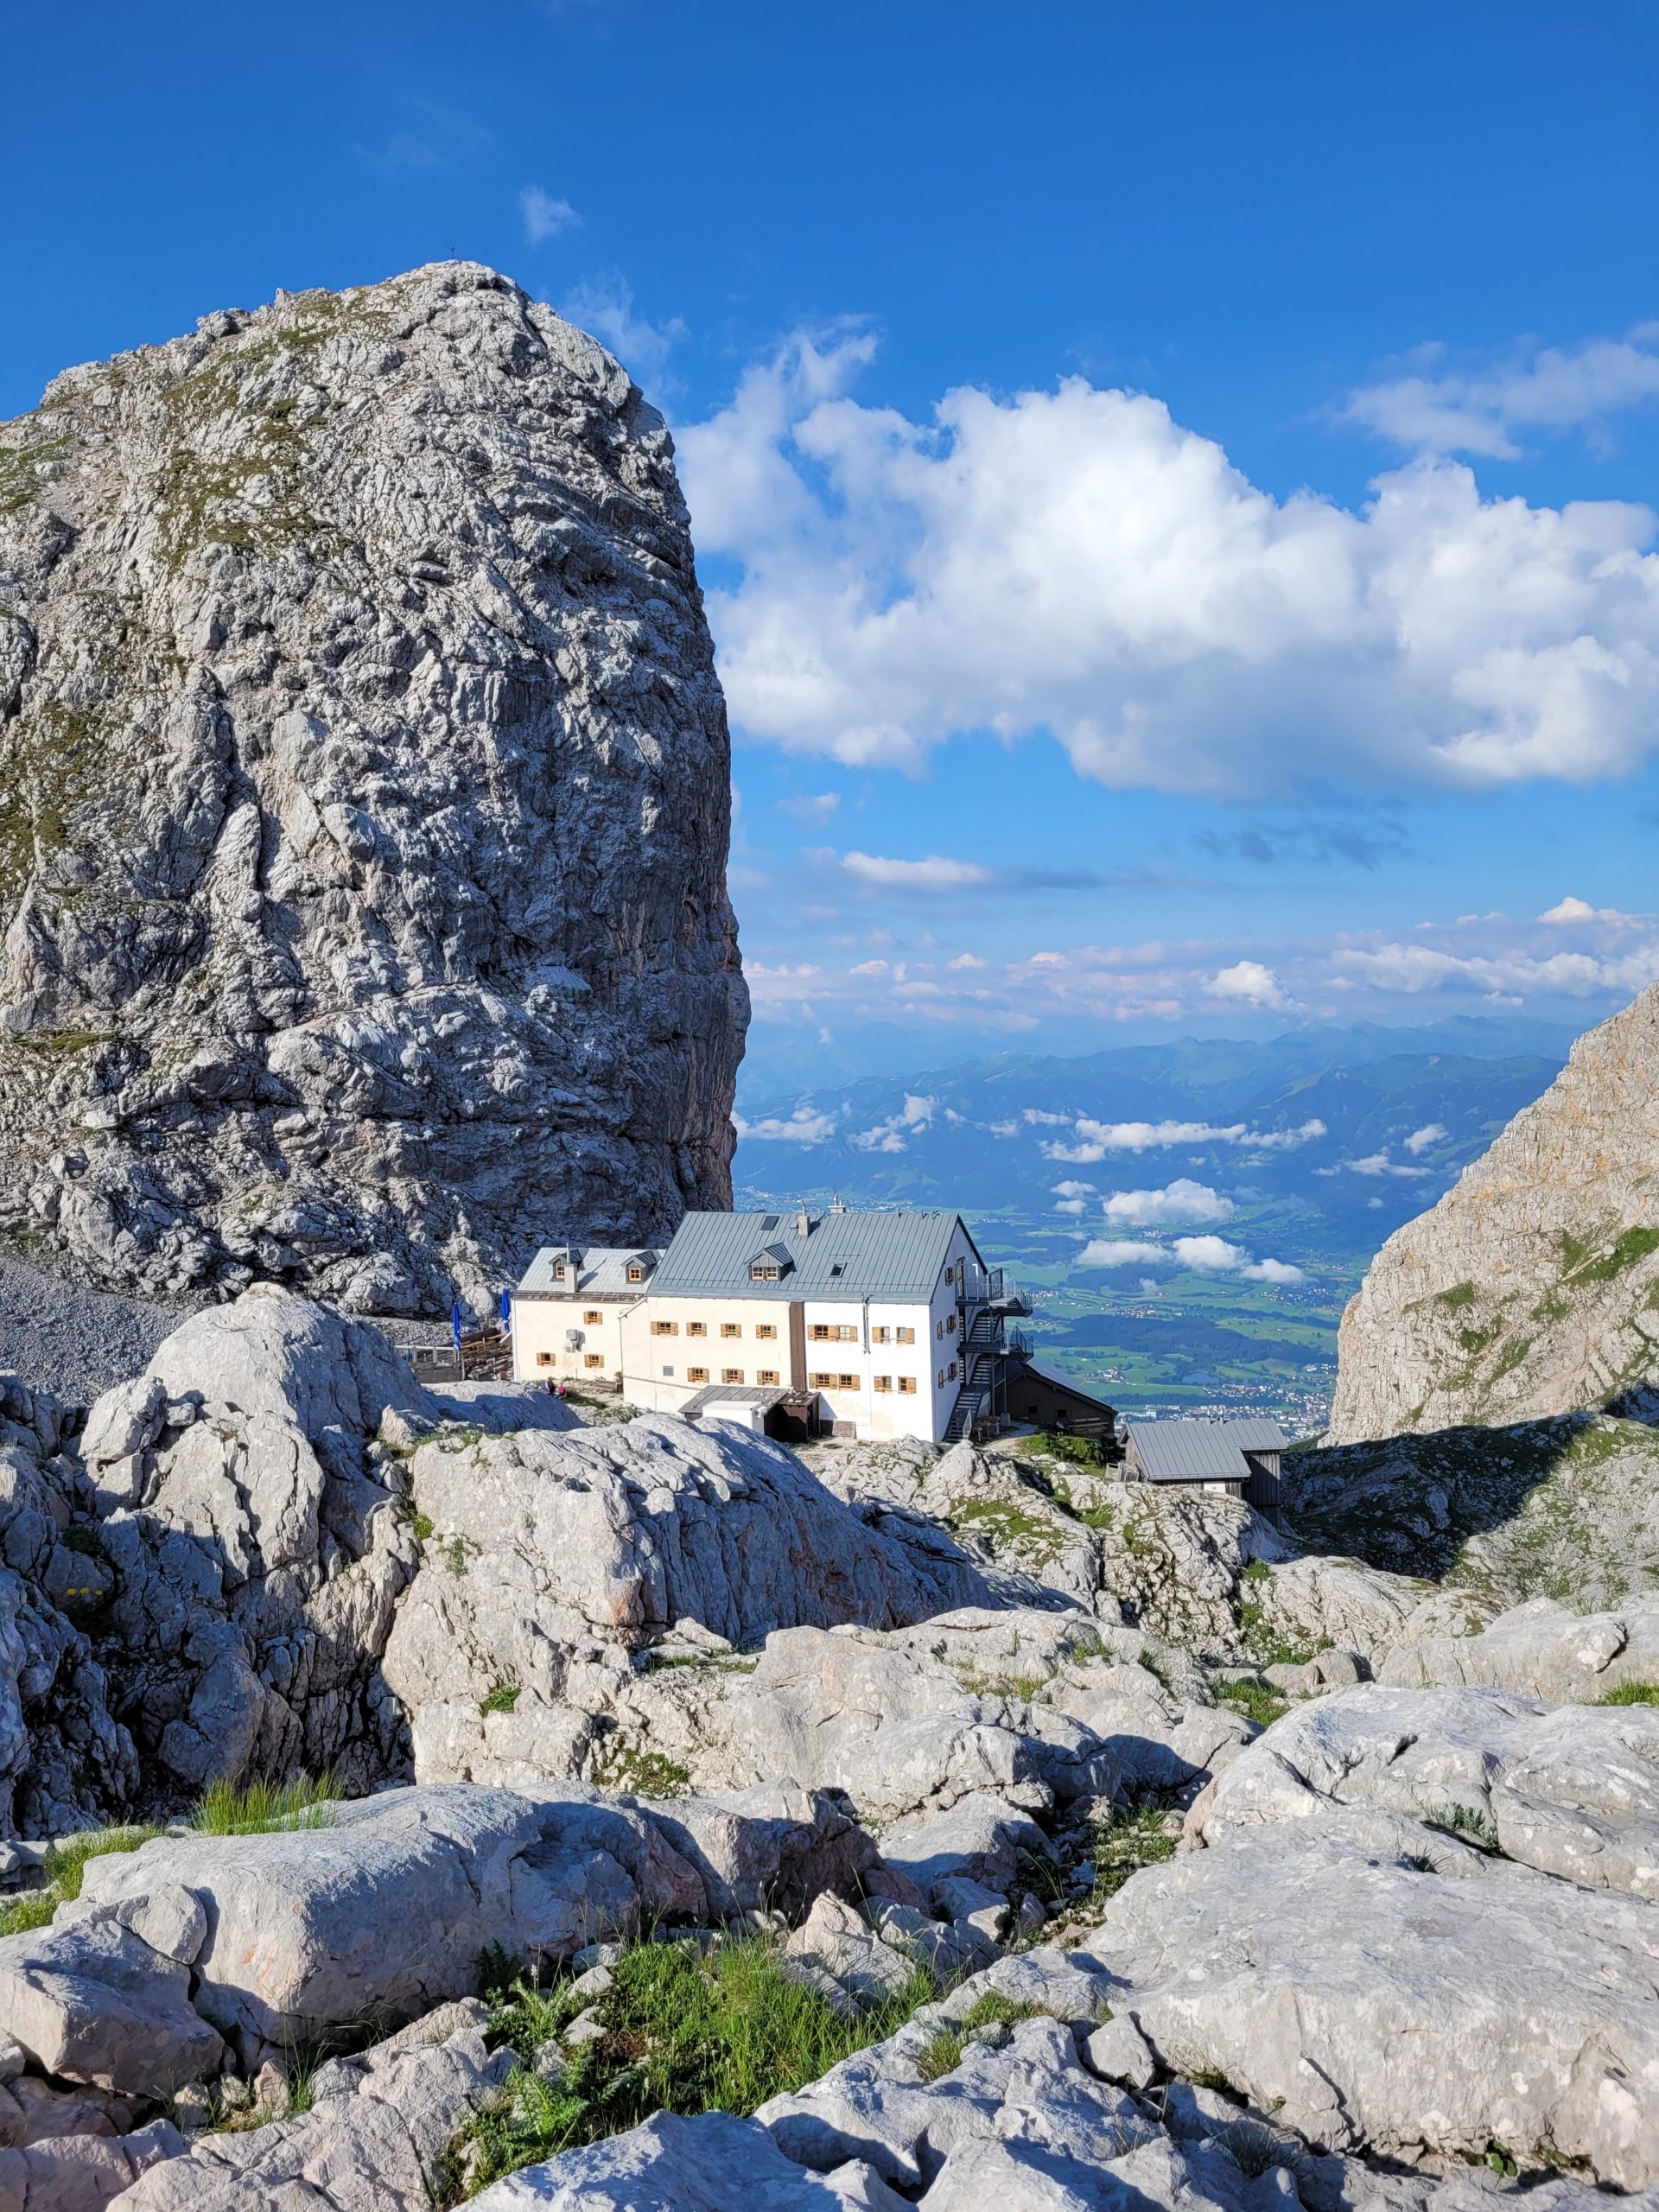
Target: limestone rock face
[(364, 805), (1541, 1648), (376, 2136), (254, 1545), (1571, 1791), (1530, 1289), (1370, 2001)]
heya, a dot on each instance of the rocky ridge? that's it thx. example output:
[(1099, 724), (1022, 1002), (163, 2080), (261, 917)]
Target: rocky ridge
[(363, 918), (1532, 1289)]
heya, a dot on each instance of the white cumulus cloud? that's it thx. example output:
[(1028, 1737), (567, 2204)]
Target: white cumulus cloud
[(805, 1126), (606, 309), (1072, 1196), (936, 872), (894, 1134), (1202, 1255), (1096, 1139), (1431, 1133), (1435, 408), (1246, 982), (1183, 1200), (545, 217), (1102, 1252), (1073, 560)]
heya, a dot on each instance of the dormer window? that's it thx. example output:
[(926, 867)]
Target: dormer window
[(558, 1270), (771, 1264), (636, 1273)]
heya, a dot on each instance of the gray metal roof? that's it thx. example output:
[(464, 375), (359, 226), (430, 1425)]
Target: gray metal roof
[(898, 1257), (601, 1271), (734, 1394), (1202, 1451)]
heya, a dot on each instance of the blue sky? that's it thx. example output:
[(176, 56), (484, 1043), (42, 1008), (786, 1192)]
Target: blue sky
[(1173, 483)]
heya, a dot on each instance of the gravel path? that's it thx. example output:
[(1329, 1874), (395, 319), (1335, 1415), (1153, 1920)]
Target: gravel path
[(70, 1340)]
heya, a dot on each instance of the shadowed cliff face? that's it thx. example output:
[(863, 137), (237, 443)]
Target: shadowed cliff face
[(1532, 1288), (364, 805)]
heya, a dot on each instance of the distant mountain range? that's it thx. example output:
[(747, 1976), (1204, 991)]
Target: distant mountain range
[(1191, 1215)]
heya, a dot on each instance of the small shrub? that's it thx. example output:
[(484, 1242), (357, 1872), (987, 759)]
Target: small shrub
[(83, 1542), (261, 1808), (1256, 2149), (421, 1525), (501, 1699), (941, 2053), (1466, 1822)]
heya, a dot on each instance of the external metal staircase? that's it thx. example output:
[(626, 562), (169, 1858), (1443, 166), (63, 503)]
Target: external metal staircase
[(991, 1297)]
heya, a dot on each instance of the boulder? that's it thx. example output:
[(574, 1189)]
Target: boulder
[(983, 1838), (838, 1942), (773, 1848), (92, 2002), (251, 1537), (309, 1928), (1372, 2003), (876, 2105), (711, 2164), (82, 2173), (621, 1532), (376, 2139)]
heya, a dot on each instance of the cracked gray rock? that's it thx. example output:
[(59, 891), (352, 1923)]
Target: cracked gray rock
[(1529, 1290), (364, 806)]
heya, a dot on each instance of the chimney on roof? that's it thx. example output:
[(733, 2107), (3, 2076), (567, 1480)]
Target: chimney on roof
[(836, 1206), (802, 1226)]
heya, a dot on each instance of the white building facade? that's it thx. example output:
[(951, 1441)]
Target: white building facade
[(865, 1325), (570, 1311)]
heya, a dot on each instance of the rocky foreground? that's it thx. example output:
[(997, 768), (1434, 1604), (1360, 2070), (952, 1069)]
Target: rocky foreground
[(910, 1720), (364, 806)]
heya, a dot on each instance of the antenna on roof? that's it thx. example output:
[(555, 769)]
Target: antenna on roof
[(836, 1206)]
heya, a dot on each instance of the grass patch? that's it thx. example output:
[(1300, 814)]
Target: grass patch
[(941, 2053), (1635, 1244), (1267, 1645), (1082, 1451), (622, 1766), (1632, 1694), (501, 1699), (1126, 1843), (422, 1524), (680, 2033), (263, 1807), (1256, 1700), (1003, 1522), (1459, 1295), (65, 1865)]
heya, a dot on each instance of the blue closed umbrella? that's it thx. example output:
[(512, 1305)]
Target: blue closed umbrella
[(506, 1313)]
